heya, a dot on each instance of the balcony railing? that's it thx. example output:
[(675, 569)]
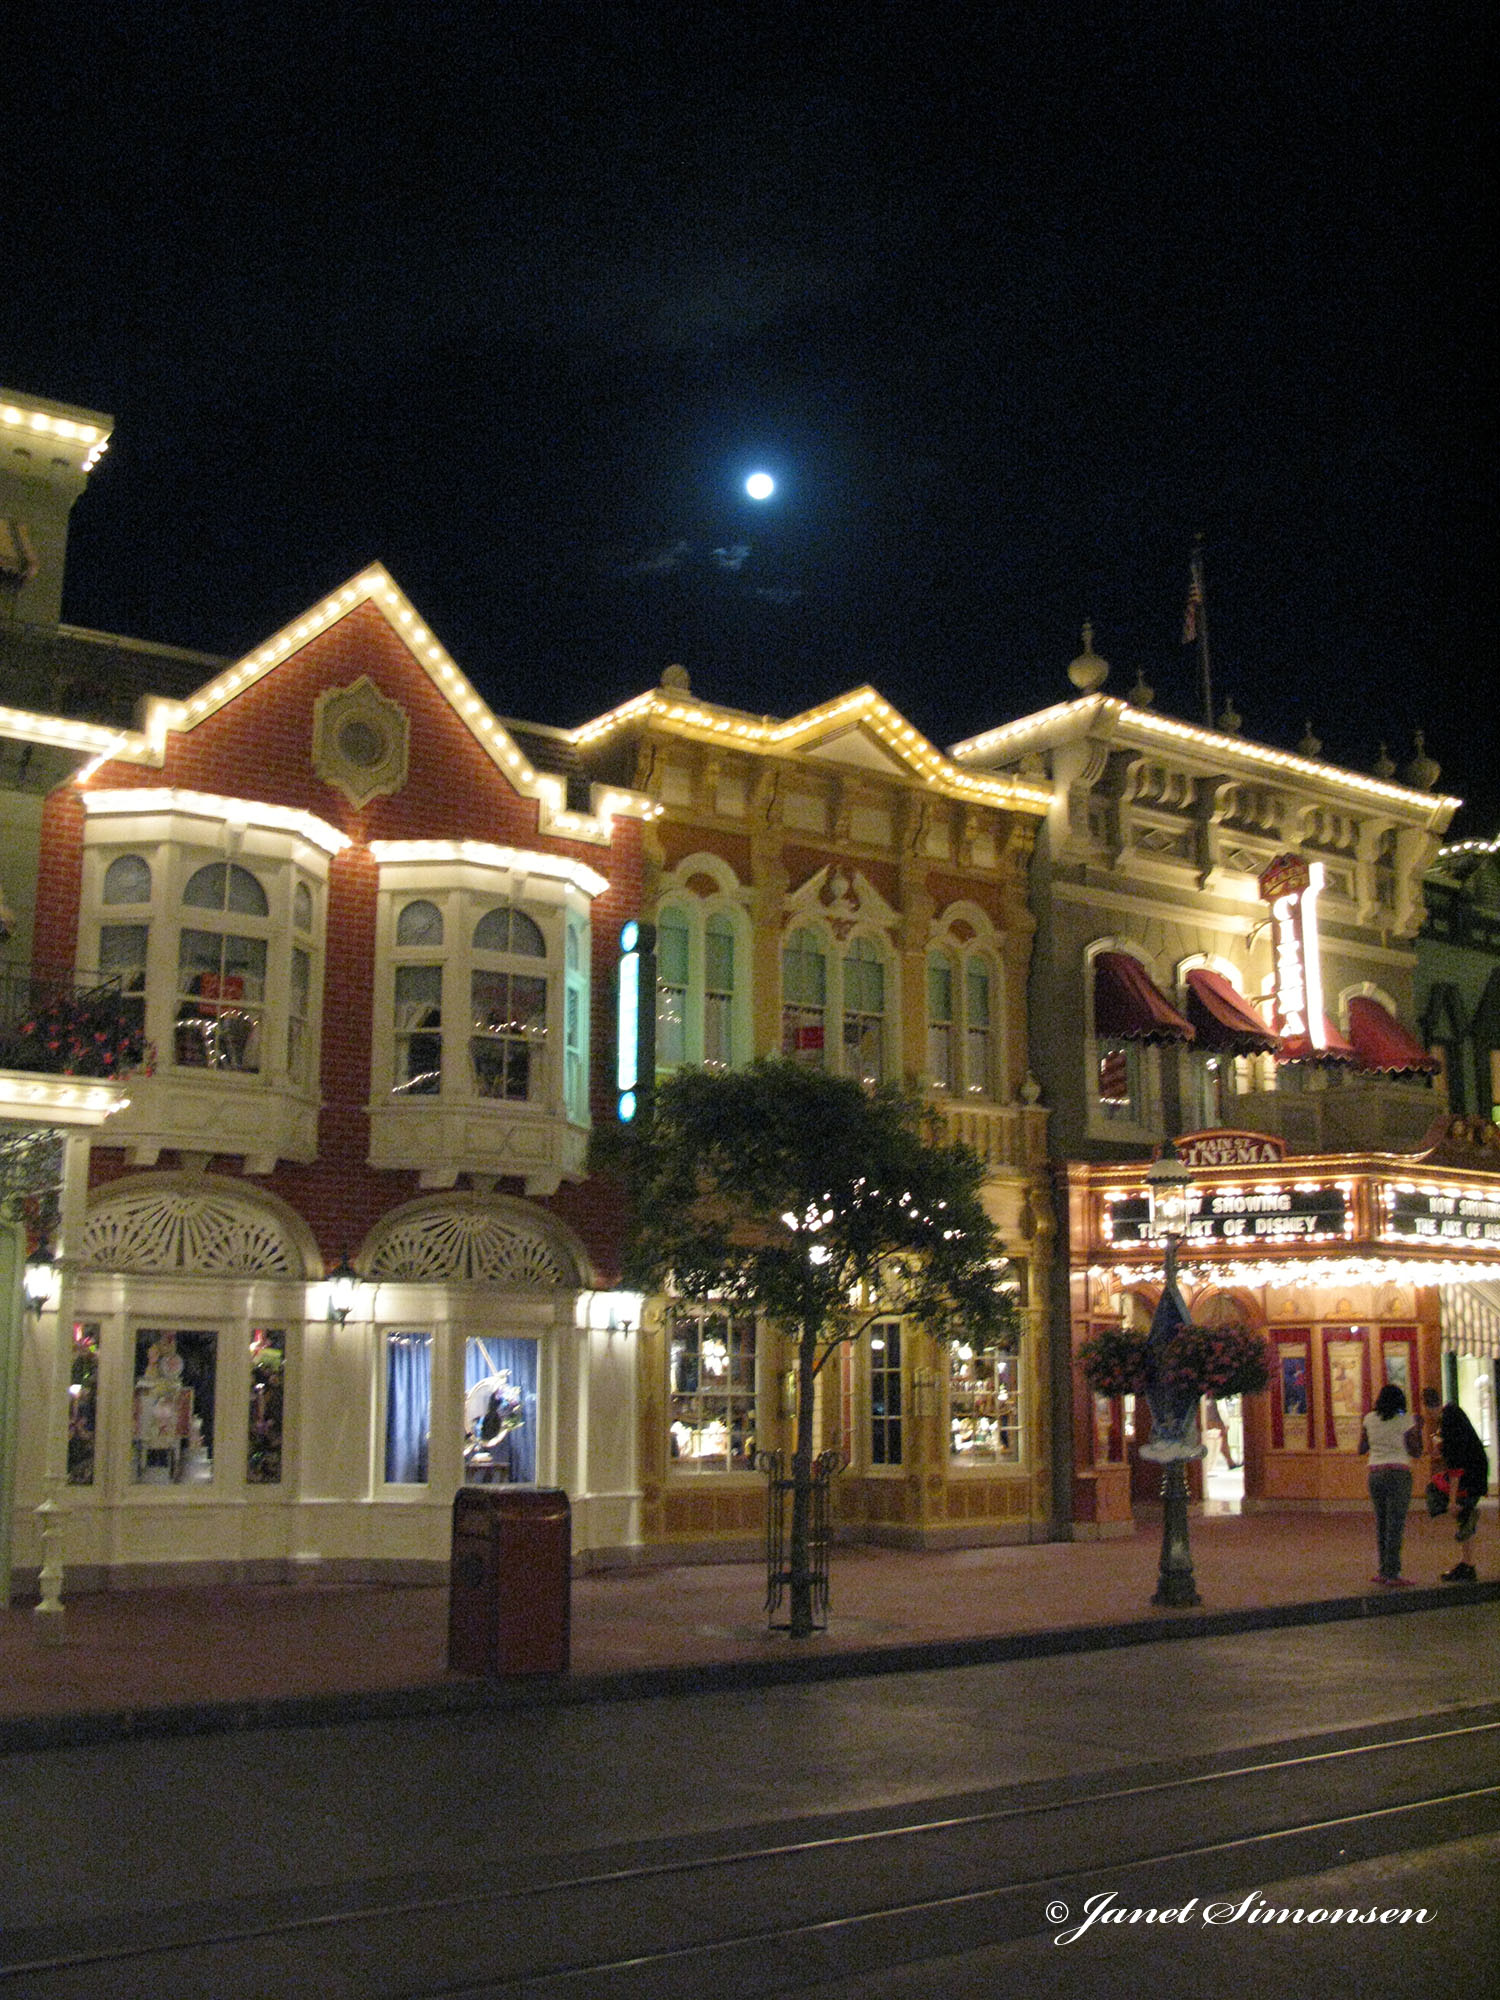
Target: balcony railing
[(1003, 1135), (69, 1024)]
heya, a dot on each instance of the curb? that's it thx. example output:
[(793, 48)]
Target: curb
[(23, 1733)]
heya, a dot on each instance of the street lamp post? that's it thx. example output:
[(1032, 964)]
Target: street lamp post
[(1174, 1412)]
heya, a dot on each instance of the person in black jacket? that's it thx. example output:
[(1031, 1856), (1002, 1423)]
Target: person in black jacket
[(1466, 1473)]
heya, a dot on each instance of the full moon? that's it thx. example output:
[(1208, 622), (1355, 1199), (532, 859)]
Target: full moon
[(760, 486)]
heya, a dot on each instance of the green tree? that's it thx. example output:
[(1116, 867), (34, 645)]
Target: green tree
[(818, 1205)]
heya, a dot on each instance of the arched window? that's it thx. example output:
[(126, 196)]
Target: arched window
[(718, 993), (221, 969), (419, 1000), (128, 879), (804, 998), (508, 1005), (942, 1050), (978, 1037), (864, 1012), (672, 982)]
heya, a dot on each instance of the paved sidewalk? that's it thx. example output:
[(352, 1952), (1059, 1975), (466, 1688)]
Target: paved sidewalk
[(174, 1660)]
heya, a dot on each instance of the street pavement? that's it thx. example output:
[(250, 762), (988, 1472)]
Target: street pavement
[(196, 1658)]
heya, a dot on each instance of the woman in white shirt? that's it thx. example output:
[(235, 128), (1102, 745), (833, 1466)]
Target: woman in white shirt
[(1391, 1442)]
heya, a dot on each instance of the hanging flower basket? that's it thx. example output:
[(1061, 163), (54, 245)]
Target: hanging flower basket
[(1206, 1360), (1114, 1362)]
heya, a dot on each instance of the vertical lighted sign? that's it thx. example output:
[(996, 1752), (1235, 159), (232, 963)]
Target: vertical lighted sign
[(635, 1021), (1292, 887)]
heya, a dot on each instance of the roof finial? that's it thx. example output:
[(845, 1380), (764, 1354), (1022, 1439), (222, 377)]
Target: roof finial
[(1385, 766), (1230, 719), (1142, 694), (1422, 773), (1088, 671), (676, 678), (1311, 745)]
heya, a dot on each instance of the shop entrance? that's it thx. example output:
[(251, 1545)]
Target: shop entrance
[(500, 1411)]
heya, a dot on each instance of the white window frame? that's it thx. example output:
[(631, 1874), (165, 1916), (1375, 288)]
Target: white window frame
[(456, 1128), (696, 913), (971, 1081), (262, 1113), (836, 951)]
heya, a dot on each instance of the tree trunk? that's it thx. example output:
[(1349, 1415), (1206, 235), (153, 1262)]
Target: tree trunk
[(801, 1573)]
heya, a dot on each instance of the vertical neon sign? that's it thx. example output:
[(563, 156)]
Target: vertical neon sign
[(1292, 887), (635, 1021)]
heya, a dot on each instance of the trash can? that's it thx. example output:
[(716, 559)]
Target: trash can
[(510, 1581)]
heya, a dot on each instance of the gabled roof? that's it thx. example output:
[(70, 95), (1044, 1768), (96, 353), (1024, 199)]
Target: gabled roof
[(860, 728), (374, 586)]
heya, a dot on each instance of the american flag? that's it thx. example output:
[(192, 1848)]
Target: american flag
[(1192, 614)]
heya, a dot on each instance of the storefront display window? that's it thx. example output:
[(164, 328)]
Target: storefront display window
[(886, 1405), (408, 1407), (172, 1434), (983, 1412), (83, 1398), (712, 1360), (267, 1406), (499, 1412)]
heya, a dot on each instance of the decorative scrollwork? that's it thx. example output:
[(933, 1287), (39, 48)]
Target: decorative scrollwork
[(173, 1229), (468, 1245)]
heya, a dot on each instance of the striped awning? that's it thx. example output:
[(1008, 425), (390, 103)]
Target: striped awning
[(1128, 1008)]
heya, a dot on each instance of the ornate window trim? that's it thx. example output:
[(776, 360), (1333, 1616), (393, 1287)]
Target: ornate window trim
[(479, 1239)]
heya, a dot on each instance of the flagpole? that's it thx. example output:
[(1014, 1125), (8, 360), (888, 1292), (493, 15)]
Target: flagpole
[(1205, 675)]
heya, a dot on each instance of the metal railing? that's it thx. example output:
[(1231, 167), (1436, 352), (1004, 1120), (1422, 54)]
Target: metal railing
[(68, 1024), (780, 1486)]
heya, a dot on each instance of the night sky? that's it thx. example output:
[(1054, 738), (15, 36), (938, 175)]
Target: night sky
[(1013, 302)]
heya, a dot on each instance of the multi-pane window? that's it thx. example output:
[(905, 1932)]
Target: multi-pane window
[(576, 1021), (508, 1005), (942, 1065), (960, 1029), (419, 1001), (718, 993), (712, 1364), (299, 999), (885, 1392), (864, 1012), (977, 1042), (983, 1412), (804, 998), (671, 990), (221, 969), (696, 958), (122, 946)]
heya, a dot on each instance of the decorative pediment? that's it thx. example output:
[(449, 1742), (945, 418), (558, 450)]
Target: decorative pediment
[(857, 746), (842, 897)]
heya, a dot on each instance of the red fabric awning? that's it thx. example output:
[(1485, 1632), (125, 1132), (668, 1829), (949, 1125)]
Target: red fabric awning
[(1226, 1022), (1381, 1042), (1128, 1008), (1299, 1048)]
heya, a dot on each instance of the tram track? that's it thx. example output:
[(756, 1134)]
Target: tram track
[(778, 1908)]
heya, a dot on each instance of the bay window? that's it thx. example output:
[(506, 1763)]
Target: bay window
[(208, 914), (481, 1058)]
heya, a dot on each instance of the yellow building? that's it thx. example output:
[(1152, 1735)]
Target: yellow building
[(833, 888)]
